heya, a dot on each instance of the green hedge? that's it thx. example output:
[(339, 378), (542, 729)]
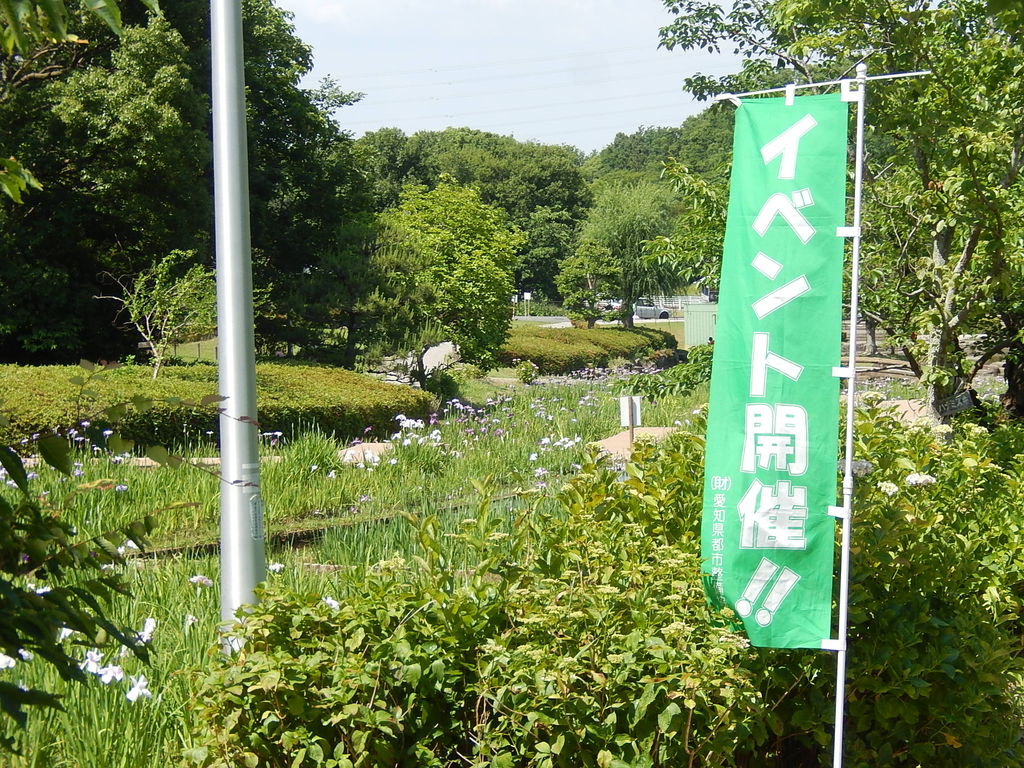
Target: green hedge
[(562, 350), (289, 398)]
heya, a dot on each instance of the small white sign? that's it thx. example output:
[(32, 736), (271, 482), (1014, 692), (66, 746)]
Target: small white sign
[(515, 298), (626, 406), (526, 296)]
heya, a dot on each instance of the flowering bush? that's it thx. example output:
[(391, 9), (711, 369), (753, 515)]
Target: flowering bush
[(588, 642), (527, 371)]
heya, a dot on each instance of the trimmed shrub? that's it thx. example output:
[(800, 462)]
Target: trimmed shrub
[(563, 350), (289, 398)]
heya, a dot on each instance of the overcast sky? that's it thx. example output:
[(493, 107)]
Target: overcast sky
[(555, 71)]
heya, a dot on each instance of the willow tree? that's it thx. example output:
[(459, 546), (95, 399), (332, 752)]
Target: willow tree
[(624, 220)]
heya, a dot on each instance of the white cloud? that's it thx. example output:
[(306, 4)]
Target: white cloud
[(319, 11)]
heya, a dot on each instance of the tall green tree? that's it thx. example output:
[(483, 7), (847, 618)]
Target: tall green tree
[(468, 251), (540, 187), (624, 219), (392, 163), (306, 185), (941, 238), (38, 42), (119, 147), (117, 131), (586, 280)]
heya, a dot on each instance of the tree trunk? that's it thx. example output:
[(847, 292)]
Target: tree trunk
[(351, 336), (418, 372), (941, 341), (871, 326), (1013, 372)]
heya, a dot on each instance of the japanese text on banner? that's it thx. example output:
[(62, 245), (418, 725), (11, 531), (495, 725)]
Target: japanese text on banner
[(770, 467)]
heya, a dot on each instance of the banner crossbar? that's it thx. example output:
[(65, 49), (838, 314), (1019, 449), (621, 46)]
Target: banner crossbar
[(735, 97)]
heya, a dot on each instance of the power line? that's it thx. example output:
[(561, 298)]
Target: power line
[(457, 117), (500, 63), (522, 109), (575, 116), (491, 78), (369, 100)]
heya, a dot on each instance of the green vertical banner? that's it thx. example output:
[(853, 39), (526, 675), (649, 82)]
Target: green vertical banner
[(770, 467)]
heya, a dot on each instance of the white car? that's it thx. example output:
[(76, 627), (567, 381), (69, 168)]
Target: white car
[(648, 310)]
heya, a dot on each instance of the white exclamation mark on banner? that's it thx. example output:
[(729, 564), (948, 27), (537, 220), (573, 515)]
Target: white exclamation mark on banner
[(782, 587), (766, 569)]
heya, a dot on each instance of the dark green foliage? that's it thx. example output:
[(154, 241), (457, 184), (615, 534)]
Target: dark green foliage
[(550, 237), (703, 143), (677, 380), (516, 176), (540, 187), (585, 639), (289, 397), (117, 133), (119, 145), (562, 350)]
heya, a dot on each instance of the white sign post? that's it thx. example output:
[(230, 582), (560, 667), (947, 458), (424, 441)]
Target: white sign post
[(629, 415)]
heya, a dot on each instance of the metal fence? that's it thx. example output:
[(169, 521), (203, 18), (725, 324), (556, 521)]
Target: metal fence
[(678, 302)]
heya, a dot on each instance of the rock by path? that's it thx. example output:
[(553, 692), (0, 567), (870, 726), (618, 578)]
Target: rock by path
[(617, 446), (364, 453)]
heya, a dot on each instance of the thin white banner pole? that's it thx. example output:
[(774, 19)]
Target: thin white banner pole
[(851, 391), (241, 508)]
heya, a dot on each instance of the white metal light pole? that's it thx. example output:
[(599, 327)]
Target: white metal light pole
[(241, 507)]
